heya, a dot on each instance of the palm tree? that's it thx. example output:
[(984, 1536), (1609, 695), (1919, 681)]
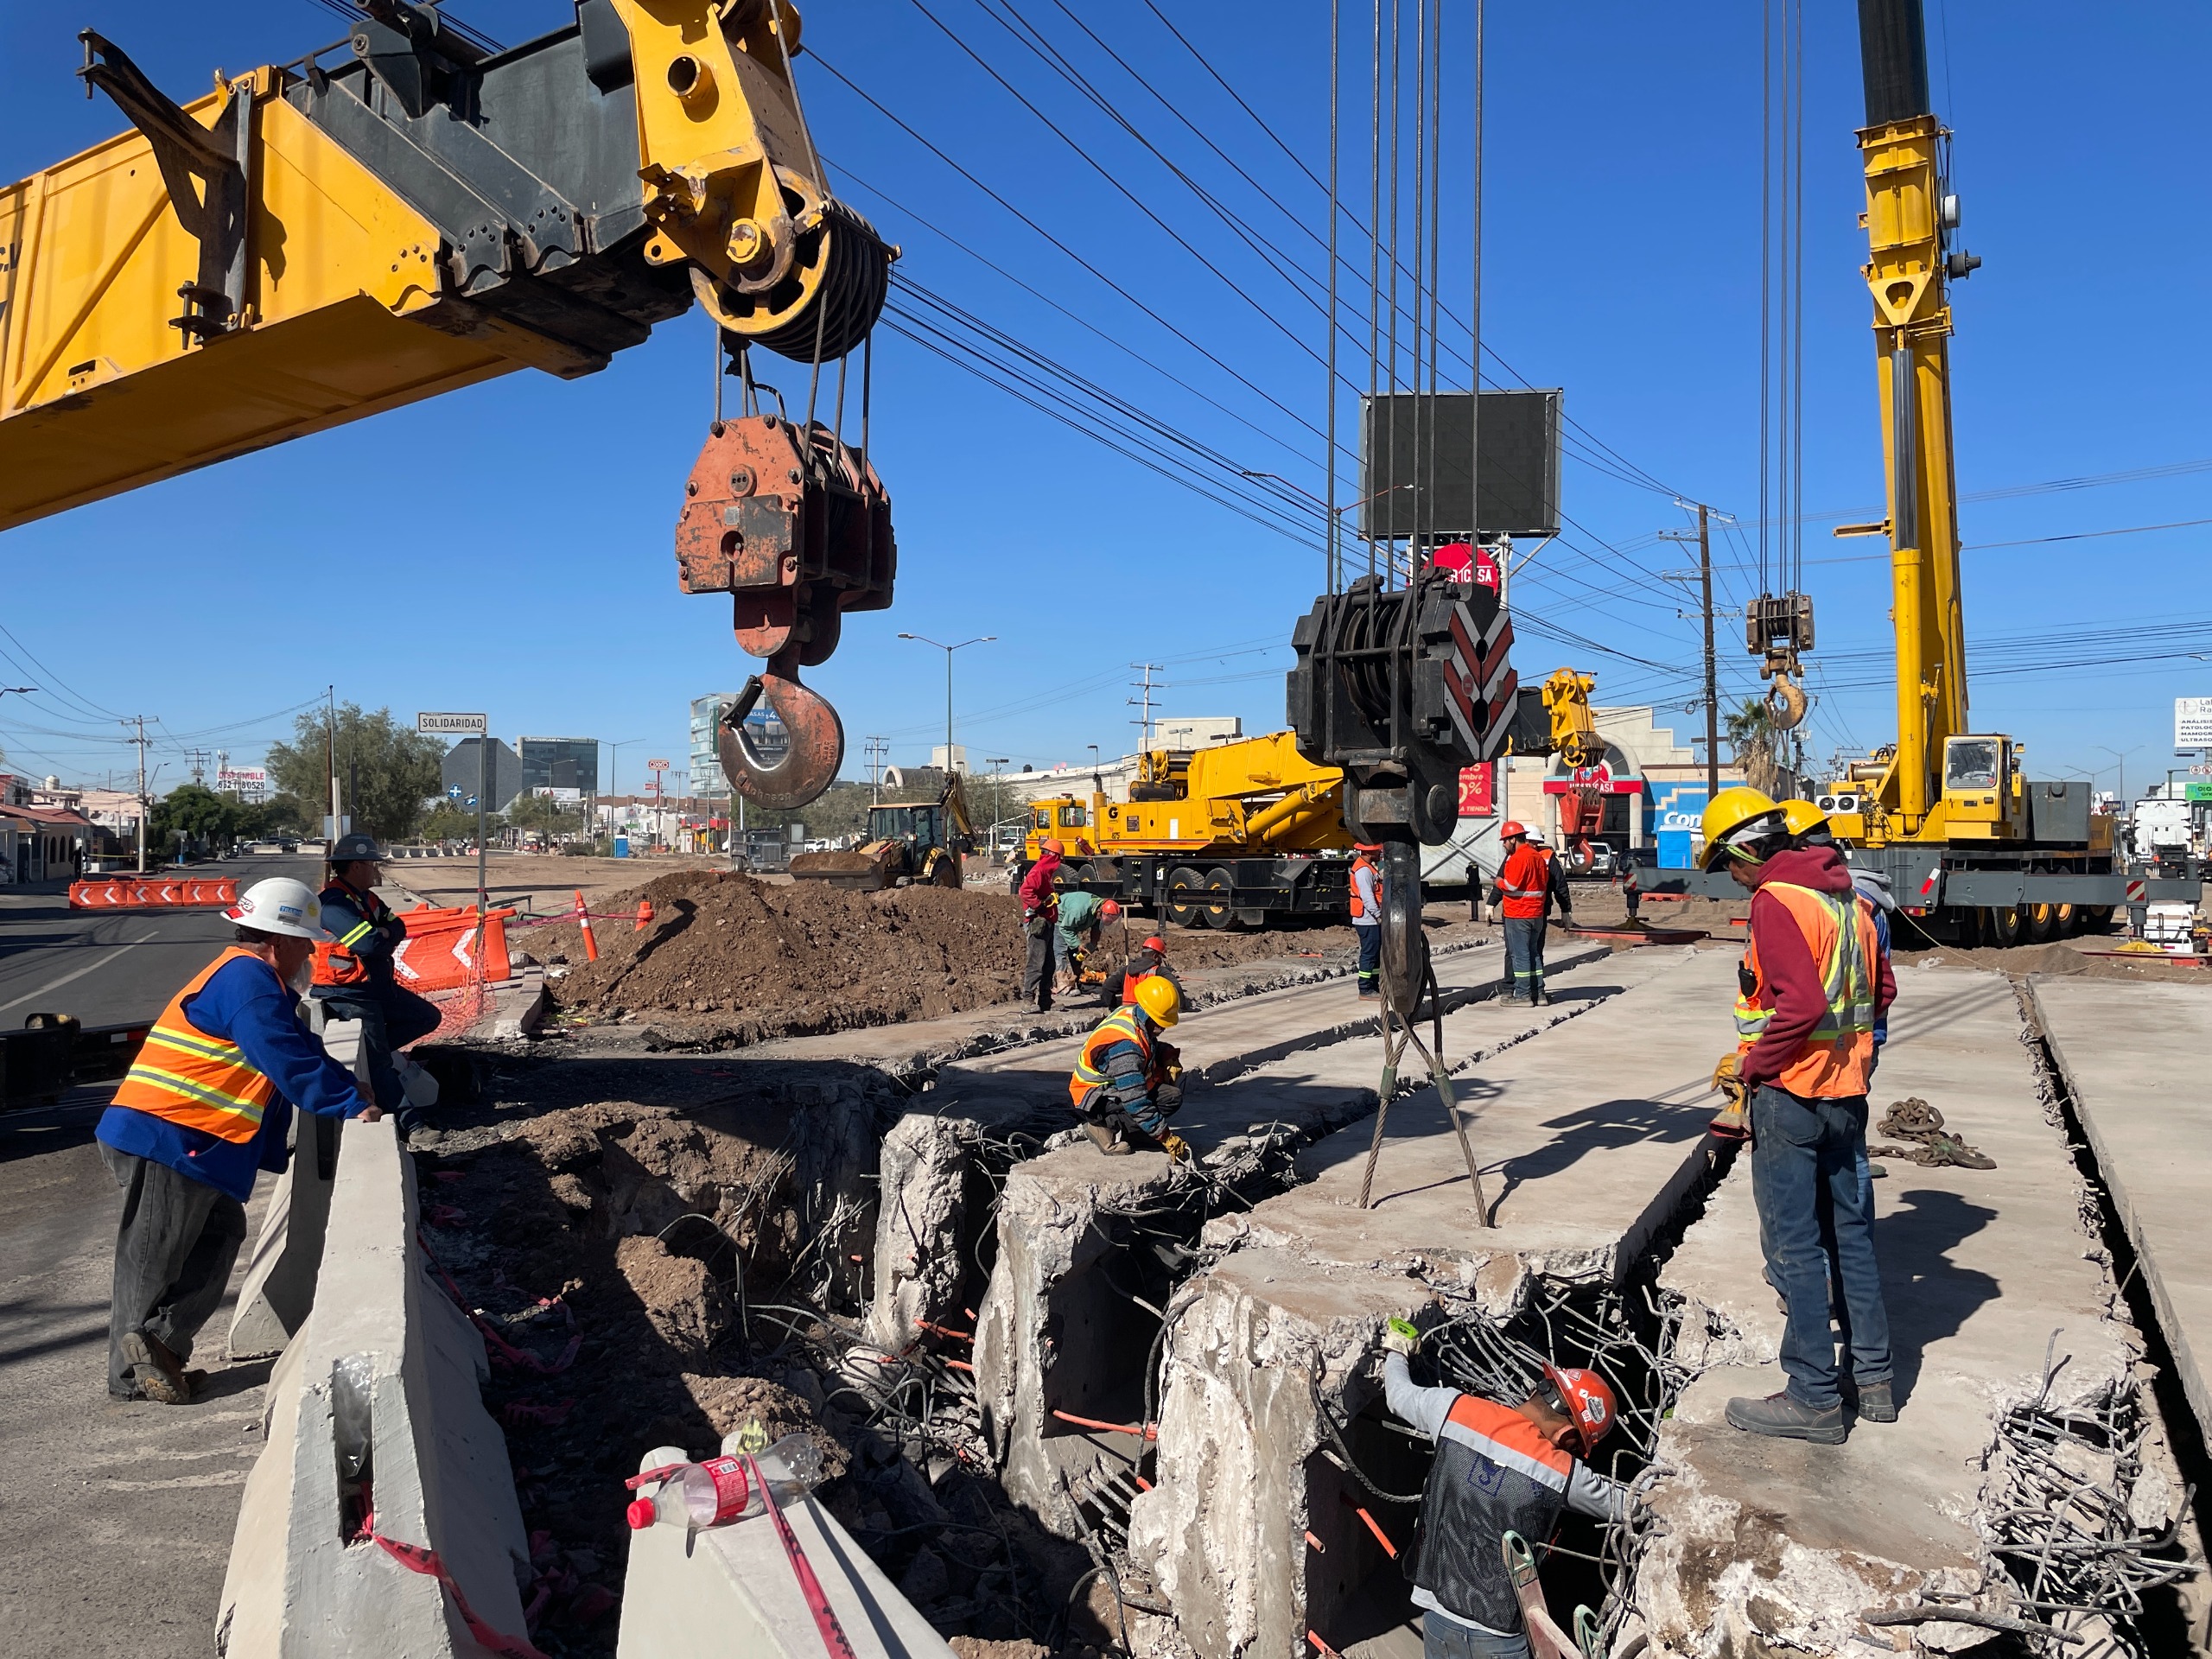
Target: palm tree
[(1754, 737)]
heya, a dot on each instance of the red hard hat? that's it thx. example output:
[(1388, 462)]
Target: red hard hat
[(1367, 846), (1156, 944), (1110, 910), (1589, 1402), (1051, 844), (1511, 828)]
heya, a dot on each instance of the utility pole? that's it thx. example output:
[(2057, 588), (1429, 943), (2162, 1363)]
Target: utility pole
[(330, 757), (879, 751), (1143, 704), (141, 740), (1712, 689), (199, 766)]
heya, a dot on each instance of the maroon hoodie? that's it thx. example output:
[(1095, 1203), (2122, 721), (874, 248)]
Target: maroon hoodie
[(1791, 983)]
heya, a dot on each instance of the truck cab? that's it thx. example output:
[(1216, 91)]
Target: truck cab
[(1984, 796)]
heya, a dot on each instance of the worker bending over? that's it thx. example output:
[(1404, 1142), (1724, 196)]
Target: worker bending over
[(1148, 958), (1128, 1081), (1528, 883), (1367, 914), (1041, 913), (1075, 933), (1499, 1468), (1812, 984), (206, 1104), (355, 979)]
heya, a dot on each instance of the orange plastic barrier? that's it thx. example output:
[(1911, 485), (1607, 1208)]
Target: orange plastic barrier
[(441, 950), (152, 893)]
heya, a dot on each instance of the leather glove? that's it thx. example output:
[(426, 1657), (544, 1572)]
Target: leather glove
[(1400, 1338), (1733, 1120), (1175, 1146)]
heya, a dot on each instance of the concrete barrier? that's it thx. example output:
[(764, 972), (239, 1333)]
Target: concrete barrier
[(376, 1402), (730, 1592)]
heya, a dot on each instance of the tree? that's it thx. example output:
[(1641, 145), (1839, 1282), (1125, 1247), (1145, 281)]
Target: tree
[(199, 813), (448, 821), (280, 815), (545, 815), (1754, 737), (386, 773)]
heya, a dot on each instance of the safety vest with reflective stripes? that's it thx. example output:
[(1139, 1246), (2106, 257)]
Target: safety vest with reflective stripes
[(1120, 1027), (194, 1080), (1522, 882), (335, 963), (1838, 1057), (1494, 1473), (1361, 862)]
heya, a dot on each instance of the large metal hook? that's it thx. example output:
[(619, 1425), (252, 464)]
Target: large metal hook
[(817, 749)]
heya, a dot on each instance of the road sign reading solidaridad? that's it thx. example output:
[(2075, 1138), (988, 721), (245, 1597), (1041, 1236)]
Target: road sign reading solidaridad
[(451, 725), (2193, 722)]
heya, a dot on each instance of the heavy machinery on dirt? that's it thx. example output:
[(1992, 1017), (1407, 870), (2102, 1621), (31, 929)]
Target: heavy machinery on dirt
[(1976, 851), (410, 210), (1247, 834), (907, 841)]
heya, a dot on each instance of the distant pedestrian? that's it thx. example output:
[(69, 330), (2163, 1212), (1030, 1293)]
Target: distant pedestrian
[(1040, 912), (207, 1103), (1367, 915)]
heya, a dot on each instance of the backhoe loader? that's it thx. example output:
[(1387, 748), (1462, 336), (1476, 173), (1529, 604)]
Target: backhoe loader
[(907, 841)]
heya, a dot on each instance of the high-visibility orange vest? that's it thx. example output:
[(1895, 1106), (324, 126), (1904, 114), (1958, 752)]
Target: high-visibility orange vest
[(1838, 1057), (1361, 861), (194, 1080), (1120, 1027)]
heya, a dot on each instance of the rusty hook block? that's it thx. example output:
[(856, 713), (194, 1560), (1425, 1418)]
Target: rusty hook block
[(816, 746)]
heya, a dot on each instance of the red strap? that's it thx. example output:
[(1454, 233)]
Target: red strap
[(825, 1619), (417, 1558)]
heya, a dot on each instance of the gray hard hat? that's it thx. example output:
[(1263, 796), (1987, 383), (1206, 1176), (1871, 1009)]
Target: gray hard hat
[(348, 848)]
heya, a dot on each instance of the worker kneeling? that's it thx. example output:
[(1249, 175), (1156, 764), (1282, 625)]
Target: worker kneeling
[(1499, 1469), (354, 980), (1814, 984), (205, 1105), (1127, 1081)]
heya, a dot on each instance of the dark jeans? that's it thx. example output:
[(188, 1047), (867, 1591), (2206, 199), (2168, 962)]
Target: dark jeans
[(391, 1017), (1525, 955), (1441, 1638), (1371, 955), (1037, 975), (1807, 1155), (173, 1249)]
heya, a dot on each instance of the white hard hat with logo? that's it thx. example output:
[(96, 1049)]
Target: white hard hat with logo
[(280, 905)]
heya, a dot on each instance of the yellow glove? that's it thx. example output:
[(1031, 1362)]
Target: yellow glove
[(1175, 1146), (1733, 1120), (1400, 1337)]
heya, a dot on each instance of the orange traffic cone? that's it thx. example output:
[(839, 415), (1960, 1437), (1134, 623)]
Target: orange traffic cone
[(644, 915), (583, 921)]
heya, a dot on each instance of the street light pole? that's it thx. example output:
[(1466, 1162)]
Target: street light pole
[(2120, 768), (981, 640)]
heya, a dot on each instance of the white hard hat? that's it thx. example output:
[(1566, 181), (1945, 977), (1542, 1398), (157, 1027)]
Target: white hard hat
[(1536, 838), (280, 905)]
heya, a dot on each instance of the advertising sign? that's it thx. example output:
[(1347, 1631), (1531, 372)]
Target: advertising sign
[(1479, 790), (247, 783), (2193, 722)]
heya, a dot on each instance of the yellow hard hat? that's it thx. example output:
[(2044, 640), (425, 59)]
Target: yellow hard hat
[(1160, 1001), (1798, 816), (1734, 818)]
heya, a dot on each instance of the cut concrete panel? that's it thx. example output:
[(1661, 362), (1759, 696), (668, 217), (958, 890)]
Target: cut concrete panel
[(1779, 1544), (2133, 1056)]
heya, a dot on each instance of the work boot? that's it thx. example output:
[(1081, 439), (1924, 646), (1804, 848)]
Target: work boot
[(1368, 991), (1784, 1417), (1539, 997), (158, 1373), (1877, 1402), (1107, 1140)]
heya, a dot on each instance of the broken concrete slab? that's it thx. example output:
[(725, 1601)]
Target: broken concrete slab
[(2132, 1057), (1773, 1544)]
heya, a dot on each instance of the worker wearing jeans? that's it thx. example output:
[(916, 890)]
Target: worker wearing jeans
[(1367, 916), (1040, 915)]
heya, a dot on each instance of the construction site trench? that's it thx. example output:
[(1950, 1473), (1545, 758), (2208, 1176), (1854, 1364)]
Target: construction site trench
[(1070, 1403)]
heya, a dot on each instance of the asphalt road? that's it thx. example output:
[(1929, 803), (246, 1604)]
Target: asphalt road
[(115, 1518)]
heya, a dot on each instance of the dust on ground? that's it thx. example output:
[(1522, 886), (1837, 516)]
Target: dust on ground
[(760, 960)]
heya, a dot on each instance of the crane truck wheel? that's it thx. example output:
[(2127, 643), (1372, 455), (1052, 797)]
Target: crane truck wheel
[(2042, 922), (1183, 882), (2001, 923), (1220, 913), (2069, 919)]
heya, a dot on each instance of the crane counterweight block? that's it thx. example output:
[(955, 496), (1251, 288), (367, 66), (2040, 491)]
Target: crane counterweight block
[(795, 526)]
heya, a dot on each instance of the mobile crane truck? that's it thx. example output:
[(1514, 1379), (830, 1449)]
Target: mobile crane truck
[(1976, 851), (408, 211)]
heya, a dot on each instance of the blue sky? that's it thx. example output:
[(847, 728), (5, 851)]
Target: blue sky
[(508, 547)]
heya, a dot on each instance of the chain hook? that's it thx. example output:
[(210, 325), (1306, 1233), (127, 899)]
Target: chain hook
[(817, 745)]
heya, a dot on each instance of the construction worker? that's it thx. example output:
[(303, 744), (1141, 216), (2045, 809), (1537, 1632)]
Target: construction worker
[(1149, 958), (1075, 932), (1041, 911), (1367, 914), (206, 1104), (1528, 883), (354, 978), (1499, 1468), (1813, 983), (1128, 1082)]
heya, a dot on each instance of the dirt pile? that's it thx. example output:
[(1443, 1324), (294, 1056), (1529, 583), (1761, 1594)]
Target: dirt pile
[(756, 960), (2059, 958)]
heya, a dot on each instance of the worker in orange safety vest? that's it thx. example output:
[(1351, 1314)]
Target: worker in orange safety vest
[(1529, 882), (1367, 915), (1812, 984), (1127, 1081)]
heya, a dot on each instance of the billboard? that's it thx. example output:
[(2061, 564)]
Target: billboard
[(2193, 722), (1403, 491), (248, 783)]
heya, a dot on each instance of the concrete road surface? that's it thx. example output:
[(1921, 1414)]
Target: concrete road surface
[(115, 1519)]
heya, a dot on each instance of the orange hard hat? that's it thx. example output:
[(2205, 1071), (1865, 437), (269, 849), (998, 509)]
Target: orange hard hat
[(1367, 846), (1051, 844), (1510, 829), (1110, 910), (1586, 1400), (1156, 944)]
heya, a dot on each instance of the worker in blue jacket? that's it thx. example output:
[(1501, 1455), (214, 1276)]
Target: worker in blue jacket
[(355, 980), (206, 1104)]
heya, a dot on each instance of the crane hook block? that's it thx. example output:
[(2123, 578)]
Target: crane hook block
[(794, 525)]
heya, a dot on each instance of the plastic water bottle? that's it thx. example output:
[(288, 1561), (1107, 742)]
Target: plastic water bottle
[(721, 1490)]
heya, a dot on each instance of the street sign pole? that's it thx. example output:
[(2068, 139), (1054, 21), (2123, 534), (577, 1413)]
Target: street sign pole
[(476, 726)]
